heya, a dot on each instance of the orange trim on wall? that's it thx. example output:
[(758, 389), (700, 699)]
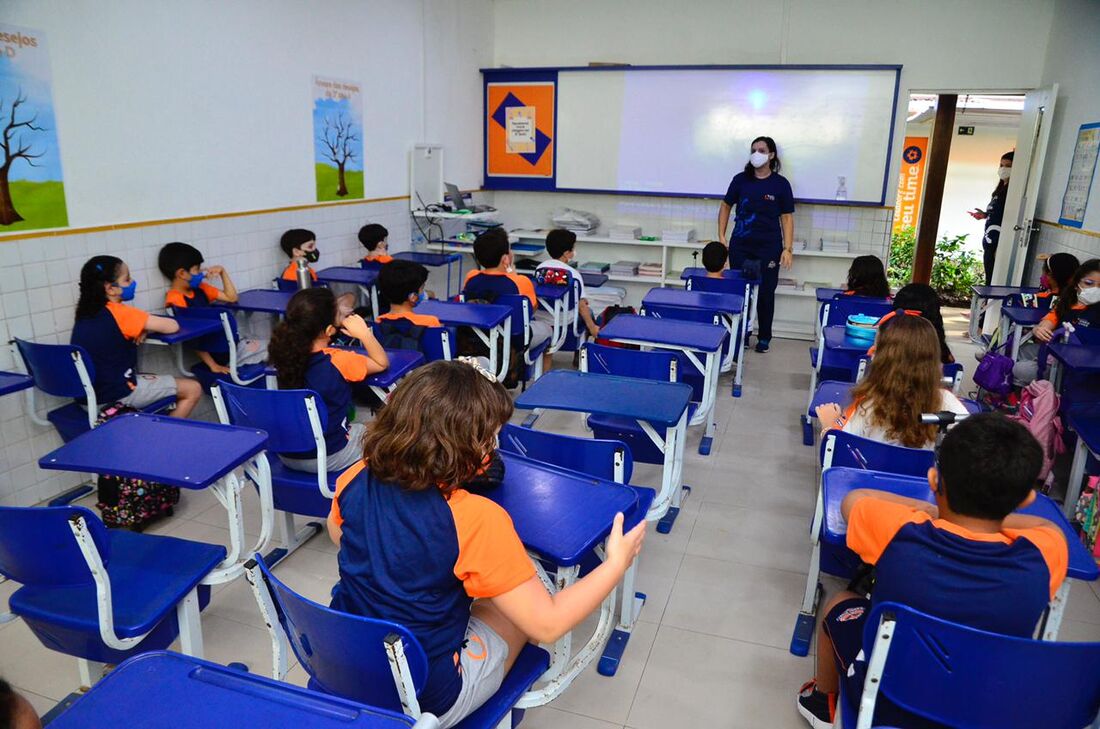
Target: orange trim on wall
[(1089, 233), (57, 232)]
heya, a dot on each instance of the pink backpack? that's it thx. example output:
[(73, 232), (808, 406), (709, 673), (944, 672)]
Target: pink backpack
[(1038, 412)]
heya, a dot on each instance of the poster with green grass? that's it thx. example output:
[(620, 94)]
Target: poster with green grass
[(32, 189), (337, 139)]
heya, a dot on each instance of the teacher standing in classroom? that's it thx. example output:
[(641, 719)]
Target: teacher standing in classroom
[(763, 230)]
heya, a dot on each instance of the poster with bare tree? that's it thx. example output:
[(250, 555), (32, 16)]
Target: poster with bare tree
[(337, 139), (32, 191)]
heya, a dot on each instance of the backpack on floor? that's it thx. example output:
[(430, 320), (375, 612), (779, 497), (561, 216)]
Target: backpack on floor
[(1038, 412), (605, 318), (130, 503)]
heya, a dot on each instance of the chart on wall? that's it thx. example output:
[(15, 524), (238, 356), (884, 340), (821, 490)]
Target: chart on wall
[(32, 188), (337, 139), (1081, 171), (520, 125)]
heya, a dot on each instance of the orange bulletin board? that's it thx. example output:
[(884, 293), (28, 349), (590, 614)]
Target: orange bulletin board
[(519, 132)]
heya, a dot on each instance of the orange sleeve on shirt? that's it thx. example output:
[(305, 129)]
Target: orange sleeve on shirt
[(380, 258), (291, 272), (469, 275), (352, 365), (491, 558), (526, 288), (341, 483), (873, 522), (420, 320), (131, 321), (1052, 317), (176, 299), (1051, 543), (211, 292)]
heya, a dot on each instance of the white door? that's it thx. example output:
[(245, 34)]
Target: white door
[(1018, 225)]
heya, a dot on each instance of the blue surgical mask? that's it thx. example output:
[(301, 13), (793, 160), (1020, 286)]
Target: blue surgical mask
[(196, 279), (421, 298), (128, 290)]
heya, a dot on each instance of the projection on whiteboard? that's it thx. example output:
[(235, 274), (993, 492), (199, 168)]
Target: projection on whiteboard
[(688, 131)]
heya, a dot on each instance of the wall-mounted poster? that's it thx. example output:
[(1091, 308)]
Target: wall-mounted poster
[(1082, 168), (337, 139), (910, 183), (32, 190), (519, 129)]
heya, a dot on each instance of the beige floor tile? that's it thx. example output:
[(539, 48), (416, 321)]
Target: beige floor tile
[(549, 717), (751, 536)]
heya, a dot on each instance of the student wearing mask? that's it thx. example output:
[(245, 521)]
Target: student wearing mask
[(762, 240), (992, 216)]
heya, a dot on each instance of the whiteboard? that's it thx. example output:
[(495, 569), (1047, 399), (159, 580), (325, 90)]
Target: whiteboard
[(687, 131)]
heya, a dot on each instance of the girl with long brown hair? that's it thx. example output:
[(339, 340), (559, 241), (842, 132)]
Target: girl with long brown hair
[(904, 381)]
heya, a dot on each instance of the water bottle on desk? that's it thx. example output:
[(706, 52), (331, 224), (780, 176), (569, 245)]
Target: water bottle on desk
[(305, 281)]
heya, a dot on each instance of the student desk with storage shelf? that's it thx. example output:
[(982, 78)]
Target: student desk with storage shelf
[(264, 301), (491, 322), (981, 298), (365, 278), (1020, 318), (434, 260)]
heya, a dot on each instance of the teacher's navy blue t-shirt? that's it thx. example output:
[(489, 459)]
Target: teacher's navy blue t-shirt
[(759, 204)]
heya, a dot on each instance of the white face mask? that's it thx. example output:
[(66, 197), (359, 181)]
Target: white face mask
[(1089, 296), (1004, 173), (758, 159)]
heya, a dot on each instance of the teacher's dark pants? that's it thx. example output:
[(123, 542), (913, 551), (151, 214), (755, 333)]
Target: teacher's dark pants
[(989, 258), (765, 295)]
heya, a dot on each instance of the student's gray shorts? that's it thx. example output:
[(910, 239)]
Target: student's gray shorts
[(149, 389), (341, 460), (482, 665)]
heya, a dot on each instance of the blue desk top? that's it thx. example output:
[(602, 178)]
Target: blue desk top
[(1085, 421), (669, 332), (163, 690), (724, 303), (190, 328), (482, 316), (551, 292), (269, 301), (14, 382), (827, 294), (1027, 316), (837, 340), (402, 361), (559, 514), (190, 454), (1081, 358), (838, 482), (349, 274), (661, 403), (428, 259), (831, 391), (1001, 292), (699, 271)]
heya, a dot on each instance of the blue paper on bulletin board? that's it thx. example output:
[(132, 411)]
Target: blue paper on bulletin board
[(1082, 169)]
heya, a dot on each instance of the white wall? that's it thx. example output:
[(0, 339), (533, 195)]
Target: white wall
[(1073, 62), (169, 109)]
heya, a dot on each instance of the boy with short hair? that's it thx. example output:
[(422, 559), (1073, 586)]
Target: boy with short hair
[(967, 558), (181, 264), (561, 244), (401, 283), (494, 255), (301, 244), (715, 258), (374, 238)]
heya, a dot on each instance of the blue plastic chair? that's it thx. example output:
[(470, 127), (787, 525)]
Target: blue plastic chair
[(374, 662), (844, 450), (224, 343), (503, 292), (660, 366), (66, 371), (960, 676), (436, 343), (836, 312), (1030, 300), (294, 423), (731, 283), (103, 595), (689, 374)]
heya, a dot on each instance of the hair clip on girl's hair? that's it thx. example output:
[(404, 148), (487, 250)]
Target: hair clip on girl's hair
[(472, 361)]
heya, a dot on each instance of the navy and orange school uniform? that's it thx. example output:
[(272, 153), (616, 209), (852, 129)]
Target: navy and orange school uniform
[(1080, 316), (522, 284), (110, 338), (328, 373), (204, 295), (420, 320), (290, 273), (999, 582), (380, 258), (420, 558)]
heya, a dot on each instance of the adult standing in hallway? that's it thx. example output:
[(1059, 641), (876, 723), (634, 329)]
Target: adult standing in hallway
[(763, 229), (992, 216)]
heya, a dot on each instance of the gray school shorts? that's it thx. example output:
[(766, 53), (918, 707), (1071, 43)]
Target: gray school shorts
[(482, 665), (148, 389)]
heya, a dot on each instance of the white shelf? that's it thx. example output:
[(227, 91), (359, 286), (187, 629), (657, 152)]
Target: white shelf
[(480, 217), (827, 254), (658, 280), (795, 292), (693, 245)]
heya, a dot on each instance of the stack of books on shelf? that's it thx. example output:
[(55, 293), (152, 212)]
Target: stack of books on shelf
[(834, 246), (651, 269), (624, 268), (624, 231), (595, 267), (678, 235), (790, 284)]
